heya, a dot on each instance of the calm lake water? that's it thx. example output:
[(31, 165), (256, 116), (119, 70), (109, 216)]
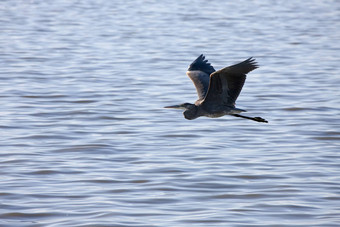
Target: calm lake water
[(85, 140)]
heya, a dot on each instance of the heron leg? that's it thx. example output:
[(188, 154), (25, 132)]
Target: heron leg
[(259, 119)]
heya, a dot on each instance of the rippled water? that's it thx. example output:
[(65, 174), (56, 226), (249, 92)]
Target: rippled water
[(85, 140)]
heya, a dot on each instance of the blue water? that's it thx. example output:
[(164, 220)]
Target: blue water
[(85, 140)]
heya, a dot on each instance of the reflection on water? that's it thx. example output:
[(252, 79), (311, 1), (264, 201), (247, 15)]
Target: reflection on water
[(85, 140)]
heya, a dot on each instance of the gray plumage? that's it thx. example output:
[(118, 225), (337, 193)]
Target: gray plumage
[(199, 72), (217, 90)]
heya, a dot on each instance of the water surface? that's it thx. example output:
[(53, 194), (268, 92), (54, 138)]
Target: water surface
[(85, 140)]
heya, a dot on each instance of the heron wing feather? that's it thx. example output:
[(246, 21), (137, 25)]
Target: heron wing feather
[(226, 84), (201, 82), (199, 72)]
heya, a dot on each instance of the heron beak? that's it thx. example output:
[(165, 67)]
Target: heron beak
[(174, 107)]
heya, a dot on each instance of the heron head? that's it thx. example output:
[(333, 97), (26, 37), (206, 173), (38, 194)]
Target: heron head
[(183, 106), (190, 112)]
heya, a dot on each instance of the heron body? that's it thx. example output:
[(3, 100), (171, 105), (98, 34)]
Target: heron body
[(217, 90)]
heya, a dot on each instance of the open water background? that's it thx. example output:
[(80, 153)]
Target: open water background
[(85, 140)]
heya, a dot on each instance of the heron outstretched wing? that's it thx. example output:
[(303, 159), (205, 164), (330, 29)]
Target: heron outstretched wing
[(199, 72), (226, 84)]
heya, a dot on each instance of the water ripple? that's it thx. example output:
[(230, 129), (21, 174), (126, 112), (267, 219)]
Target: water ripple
[(86, 141)]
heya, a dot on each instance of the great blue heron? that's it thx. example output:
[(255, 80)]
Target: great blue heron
[(217, 90)]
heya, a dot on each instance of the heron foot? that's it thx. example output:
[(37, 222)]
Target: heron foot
[(258, 119)]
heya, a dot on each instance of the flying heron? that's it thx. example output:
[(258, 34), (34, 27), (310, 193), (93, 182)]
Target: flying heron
[(217, 90)]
